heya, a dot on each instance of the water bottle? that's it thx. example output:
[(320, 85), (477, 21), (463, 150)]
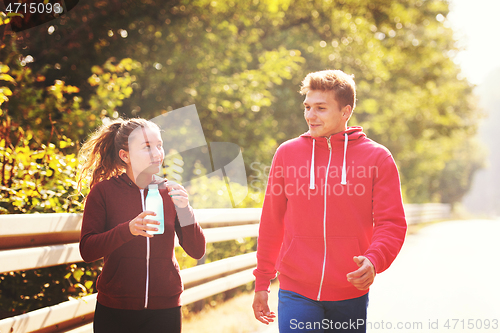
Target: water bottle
[(154, 202)]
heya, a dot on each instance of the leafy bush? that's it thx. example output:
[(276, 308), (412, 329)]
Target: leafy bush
[(40, 181), (37, 175), (32, 289)]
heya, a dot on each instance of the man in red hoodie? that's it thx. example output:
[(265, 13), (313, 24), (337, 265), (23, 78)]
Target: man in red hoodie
[(332, 216)]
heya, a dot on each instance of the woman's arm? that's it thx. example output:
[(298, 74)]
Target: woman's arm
[(189, 232), (95, 241)]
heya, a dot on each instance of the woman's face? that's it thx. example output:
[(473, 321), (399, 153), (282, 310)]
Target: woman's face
[(145, 155)]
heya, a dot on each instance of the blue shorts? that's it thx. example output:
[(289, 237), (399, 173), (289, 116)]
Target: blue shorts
[(297, 313)]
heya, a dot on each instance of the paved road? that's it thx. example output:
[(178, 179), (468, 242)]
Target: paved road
[(446, 279)]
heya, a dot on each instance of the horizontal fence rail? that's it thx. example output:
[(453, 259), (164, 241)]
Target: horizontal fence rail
[(43, 240), (428, 212)]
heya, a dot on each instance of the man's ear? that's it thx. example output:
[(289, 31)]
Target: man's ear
[(124, 155), (347, 112)]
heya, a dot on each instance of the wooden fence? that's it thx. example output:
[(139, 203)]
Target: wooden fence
[(428, 212), (44, 240)]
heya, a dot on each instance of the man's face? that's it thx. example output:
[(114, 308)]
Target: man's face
[(323, 114)]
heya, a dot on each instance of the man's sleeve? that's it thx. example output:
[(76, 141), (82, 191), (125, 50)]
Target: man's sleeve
[(271, 226), (388, 217)]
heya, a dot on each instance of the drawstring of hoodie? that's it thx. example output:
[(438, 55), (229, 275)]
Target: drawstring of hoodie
[(343, 181), (311, 175)]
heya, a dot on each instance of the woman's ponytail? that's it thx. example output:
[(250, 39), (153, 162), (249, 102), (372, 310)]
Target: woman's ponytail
[(100, 154)]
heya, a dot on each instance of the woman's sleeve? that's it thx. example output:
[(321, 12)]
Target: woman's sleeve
[(95, 241), (189, 232)]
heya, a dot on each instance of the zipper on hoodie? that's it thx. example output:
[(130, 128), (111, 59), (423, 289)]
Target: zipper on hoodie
[(324, 217), (147, 256)]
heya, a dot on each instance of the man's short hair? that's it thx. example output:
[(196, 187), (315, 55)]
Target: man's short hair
[(340, 83)]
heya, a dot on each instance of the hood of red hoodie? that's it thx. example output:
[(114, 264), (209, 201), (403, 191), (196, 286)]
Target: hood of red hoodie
[(353, 133), (342, 139)]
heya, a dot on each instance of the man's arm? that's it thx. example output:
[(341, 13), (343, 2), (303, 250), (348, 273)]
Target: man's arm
[(261, 308), (389, 223), (270, 239)]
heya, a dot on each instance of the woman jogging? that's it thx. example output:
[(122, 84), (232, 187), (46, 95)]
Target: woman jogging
[(139, 288)]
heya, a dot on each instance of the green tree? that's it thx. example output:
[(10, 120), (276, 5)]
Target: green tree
[(241, 63)]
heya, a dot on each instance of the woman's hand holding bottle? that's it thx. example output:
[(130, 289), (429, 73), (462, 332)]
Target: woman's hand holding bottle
[(140, 224)]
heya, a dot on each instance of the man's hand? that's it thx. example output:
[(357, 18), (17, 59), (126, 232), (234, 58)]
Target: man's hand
[(261, 309), (363, 277)]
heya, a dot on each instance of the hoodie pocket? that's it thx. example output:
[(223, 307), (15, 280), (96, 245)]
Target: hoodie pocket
[(303, 260), (339, 260), (165, 280), (127, 279)]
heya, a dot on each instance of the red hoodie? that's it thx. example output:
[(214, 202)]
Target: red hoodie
[(313, 223), (138, 272)]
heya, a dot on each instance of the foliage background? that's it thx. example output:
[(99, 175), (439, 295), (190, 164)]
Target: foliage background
[(241, 63)]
